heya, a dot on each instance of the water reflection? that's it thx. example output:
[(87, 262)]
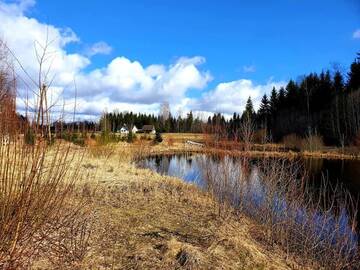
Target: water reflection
[(245, 186)]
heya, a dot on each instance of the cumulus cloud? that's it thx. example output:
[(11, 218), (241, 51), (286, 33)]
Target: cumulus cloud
[(356, 34), (100, 47), (17, 7), (26, 36), (123, 83), (128, 81), (229, 97)]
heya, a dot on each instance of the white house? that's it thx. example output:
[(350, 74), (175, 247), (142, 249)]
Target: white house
[(124, 130), (134, 129)]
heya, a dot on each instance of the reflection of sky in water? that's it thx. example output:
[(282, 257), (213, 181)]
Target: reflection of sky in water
[(245, 185), (184, 167)]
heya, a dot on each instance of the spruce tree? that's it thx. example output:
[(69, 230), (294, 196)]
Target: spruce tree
[(249, 109)]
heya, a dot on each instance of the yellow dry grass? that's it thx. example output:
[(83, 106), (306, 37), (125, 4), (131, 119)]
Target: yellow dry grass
[(177, 144), (143, 220)]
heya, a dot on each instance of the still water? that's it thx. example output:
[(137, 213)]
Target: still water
[(188, 167), (253, 193)]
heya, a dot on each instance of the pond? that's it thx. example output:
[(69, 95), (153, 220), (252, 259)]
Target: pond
[(254, 187), (189, 168)]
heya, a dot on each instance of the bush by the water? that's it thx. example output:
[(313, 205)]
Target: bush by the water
[(312, 143), (292, 142), (158, 137)]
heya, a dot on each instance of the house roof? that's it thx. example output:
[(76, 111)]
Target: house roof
[(148, 128)]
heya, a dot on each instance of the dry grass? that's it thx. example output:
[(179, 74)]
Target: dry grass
[(177, 145), (138, 219), (148, 221)]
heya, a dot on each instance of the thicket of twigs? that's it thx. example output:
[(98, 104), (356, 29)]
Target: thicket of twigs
[(42, 214), (316, 224)]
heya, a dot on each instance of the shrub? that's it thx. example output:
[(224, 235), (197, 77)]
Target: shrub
[(312, 143), (158, 138), (260, 136), (292, 141), (130, 137)]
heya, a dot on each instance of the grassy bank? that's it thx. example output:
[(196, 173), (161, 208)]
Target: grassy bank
[(137, 219), (141, 220), (176, 142)]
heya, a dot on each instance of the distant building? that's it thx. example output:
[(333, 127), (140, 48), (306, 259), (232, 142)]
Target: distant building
[(134, 129), (150, 129), (124, 130)]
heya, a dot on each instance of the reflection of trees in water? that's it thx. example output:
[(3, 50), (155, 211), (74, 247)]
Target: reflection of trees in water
[(314, 166)]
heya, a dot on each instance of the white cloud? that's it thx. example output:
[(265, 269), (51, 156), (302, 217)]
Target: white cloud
[(356, 34), (128, 81), (122, 84), (99, 48), (17, 7), (229, 97), (249, 69)]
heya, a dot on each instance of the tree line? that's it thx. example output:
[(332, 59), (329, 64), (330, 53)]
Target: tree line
[(114, 121), (325, 104)]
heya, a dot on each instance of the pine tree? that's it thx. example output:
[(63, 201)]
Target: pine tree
[(273, 102), (264, 111), (354, 75), (249, 109)]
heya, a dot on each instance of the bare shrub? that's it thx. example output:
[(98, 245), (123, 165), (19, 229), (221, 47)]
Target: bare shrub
[(247, 130), (261, 136), (37, 179), (312, 143), (292, 141)]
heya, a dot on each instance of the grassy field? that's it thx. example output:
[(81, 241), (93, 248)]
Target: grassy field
[(142, 220)]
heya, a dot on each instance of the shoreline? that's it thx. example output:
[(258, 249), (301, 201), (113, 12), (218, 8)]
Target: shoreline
[(252, 154)]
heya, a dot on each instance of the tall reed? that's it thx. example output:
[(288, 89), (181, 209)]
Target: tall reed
[(316, 224)]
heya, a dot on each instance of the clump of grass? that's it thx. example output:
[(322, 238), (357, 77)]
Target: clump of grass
[(312, 143), (292, 142)]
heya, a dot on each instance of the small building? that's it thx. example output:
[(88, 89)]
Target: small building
[(134, 129), (149, 129), (124, 130)]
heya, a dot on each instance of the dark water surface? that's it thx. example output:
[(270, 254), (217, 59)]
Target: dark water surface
[(188, 168)]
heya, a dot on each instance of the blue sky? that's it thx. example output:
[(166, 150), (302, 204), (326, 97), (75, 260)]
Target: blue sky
[(282, 39), (257, 41)]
